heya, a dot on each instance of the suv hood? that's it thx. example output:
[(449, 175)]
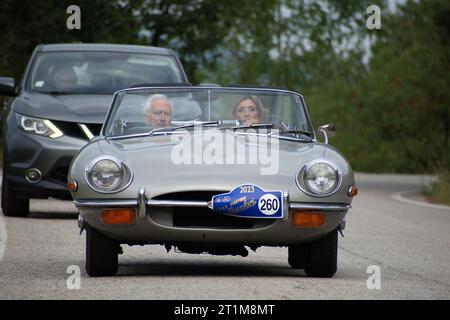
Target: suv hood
[(81, 108)]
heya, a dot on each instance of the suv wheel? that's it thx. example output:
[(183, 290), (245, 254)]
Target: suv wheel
[(318, 258), (101, 254), (11, 205)]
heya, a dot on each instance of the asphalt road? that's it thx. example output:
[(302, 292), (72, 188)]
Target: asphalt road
[(407, 242)]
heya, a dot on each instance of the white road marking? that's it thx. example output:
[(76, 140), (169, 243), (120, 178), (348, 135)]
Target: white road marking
[(3, 236), (399, 196)]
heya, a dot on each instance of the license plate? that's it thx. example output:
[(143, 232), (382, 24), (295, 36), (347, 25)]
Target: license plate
[(249, 201)]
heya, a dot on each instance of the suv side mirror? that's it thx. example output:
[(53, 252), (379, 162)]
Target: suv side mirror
[(7, 86), (328, 130)]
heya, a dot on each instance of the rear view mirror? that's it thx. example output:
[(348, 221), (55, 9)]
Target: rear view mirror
[(328, 130), (7, 86)]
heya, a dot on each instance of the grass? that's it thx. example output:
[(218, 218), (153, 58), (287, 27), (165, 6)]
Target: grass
[(440, 190)]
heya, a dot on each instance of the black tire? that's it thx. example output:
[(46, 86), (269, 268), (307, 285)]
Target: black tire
[(297, 255), (321, 259), (101, 254), (11, 205)]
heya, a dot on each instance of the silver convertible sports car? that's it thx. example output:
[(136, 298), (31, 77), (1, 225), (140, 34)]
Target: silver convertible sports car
[(214, 170)]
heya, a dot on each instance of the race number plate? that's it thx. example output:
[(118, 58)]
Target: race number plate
[(249, 201)]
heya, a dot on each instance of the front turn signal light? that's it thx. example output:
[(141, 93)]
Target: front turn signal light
[(72, 185), (118, 216), (308, 219), (352, 191)]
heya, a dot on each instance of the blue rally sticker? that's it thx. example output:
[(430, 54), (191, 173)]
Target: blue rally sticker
[(249, 201)]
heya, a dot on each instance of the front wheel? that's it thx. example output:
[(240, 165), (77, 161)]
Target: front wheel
[(318, 258), (297, 255), (11, 205), (101, 254)]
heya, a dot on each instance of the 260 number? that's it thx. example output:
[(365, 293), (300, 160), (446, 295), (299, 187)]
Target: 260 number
[(268, 204)]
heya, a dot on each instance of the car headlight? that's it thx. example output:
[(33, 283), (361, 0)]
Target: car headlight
[(107, 174), (42, 127), (319, 178)]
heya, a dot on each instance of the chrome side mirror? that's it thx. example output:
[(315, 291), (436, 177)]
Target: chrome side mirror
[(328, 130)]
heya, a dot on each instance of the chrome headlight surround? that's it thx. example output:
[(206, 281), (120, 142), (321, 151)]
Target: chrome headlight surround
[(303, 185), (124, 181)]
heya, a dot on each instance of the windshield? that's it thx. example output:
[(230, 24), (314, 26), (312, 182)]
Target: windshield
[(94, 72), (164, 110)]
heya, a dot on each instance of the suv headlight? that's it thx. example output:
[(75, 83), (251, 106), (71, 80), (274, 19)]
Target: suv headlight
[(319, 178), (42, 127), (107, 174)]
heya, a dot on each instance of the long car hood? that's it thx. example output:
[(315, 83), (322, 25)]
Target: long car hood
[(156, 166), (82, 108)]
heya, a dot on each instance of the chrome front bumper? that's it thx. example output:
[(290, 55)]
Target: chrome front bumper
[(182, 203), (142, 202), (147, 230)]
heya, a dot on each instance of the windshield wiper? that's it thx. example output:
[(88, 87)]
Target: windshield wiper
[(249, 126), (189, 125), (307, 133)]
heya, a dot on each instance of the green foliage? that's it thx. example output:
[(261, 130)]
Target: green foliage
[(197, 29), (296, 44), (440, 190), (27, 23), (404, 97)]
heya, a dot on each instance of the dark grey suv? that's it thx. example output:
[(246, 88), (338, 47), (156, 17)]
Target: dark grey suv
[(60, 105)]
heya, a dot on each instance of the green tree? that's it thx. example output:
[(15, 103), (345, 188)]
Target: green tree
[(395, 116), (296, 44), (25, 24), (199, 30)]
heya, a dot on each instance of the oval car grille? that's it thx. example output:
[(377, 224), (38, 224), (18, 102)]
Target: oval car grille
[(201, 217)]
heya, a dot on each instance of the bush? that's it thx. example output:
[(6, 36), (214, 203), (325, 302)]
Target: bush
[(440, 190)]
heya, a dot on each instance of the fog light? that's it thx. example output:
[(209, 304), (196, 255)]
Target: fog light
[(33, 175), (309, 219), (118, 216)]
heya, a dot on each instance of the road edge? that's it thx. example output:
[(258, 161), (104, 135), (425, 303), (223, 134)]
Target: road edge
[(400, 196), (3, 236)]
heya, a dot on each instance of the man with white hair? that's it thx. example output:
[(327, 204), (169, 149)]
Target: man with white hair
[(158, 111)]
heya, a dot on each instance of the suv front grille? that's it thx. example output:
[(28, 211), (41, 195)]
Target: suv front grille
[(73, 129), (60, 169), (60, 175)]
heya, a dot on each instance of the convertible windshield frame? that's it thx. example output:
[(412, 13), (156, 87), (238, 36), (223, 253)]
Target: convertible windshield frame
[(301, 101)]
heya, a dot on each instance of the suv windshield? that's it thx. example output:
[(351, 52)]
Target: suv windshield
[(162, 110), (95, 72)]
